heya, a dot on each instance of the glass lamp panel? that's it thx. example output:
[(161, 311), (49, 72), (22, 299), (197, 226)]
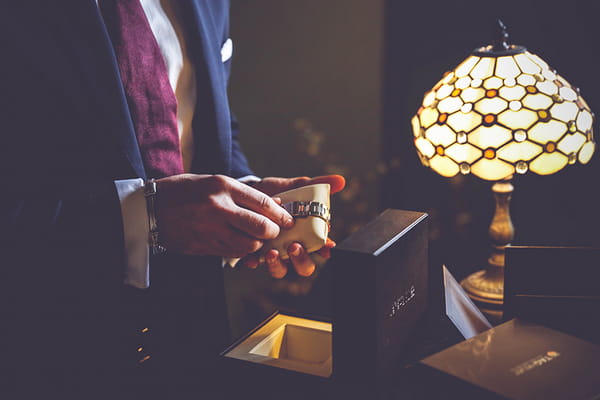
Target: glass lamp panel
[(429, 98), (428, 117), (562, 80), (464, 122), (491, 106), (512, 93), (521, 119), (443, 166), (544, 132), (548, 163), (586, 152), (439, 83), (538, 60), (547, 87), (571, 143), (526, 80), (537, 101), (492, 136), (523, 151), (463, 153), (424, 147), (448, 77), (492, 170), (444, 92), (416, 126), (492, 83), (585, 105), (584, 120), (465, 67), (463, 82), (567, 93), (471, 94), (527, 65), (450, 105), (566, 111), (506, 67), (440, 135), (546, 73), (484, 68)]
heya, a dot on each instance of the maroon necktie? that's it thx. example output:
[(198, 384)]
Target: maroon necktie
[(151, 99)]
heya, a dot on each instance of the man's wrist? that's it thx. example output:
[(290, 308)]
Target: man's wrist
[(150, 193)]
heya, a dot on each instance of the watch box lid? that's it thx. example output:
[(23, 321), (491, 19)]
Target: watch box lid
[(524, 360), (382, 232)]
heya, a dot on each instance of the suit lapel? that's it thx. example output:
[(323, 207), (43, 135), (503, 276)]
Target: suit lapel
[(212, 122), (97, 90), (94, 76)]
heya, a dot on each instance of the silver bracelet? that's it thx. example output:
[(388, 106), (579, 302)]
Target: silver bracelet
[(150, 195), (303, 209)]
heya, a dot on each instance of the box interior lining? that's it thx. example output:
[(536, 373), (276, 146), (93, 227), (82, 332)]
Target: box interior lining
[(288, 342)]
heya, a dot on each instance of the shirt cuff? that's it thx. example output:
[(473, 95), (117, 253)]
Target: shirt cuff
[(135, 232)]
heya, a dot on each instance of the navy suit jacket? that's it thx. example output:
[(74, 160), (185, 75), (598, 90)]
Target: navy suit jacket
[(66, 135)]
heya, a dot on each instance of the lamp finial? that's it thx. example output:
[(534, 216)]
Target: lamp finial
[(501, 43)]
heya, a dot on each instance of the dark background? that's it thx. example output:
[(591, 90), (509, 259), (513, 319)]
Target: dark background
[(326, 86)]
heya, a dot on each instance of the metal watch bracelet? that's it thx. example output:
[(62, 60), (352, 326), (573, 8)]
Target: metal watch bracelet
[(150, 195), (303, 209)]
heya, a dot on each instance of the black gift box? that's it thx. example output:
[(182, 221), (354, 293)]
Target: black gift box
[(517, 360), (555, 286), (379, 295)]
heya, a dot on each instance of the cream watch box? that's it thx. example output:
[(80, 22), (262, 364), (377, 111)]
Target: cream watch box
[(379, 294), (309, 205)]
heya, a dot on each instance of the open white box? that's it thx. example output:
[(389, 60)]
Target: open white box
[(293, 343)]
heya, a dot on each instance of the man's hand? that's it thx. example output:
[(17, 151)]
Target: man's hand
[(299, 258), (216, 215)]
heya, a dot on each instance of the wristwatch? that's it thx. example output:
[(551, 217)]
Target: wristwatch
[(153, 239)]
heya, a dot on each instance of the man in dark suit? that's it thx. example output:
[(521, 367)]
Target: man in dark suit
[(72, 170)]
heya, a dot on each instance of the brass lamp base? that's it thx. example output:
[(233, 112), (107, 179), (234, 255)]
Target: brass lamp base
[(486, 288)]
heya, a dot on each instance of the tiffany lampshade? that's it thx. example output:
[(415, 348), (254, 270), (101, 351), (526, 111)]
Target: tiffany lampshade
[(502, 111)]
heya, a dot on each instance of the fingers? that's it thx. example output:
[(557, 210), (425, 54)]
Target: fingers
[(299, 258), (325, 251), (226, 243), (275, 265), (251, 261), (274, 185), (336, 182), (253, 224), (303, 264), (262, 204)]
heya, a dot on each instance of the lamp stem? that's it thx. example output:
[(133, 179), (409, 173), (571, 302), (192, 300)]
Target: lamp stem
[(486, 287), (501, 229)]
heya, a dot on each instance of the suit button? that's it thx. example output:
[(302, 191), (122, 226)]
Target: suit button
[(144, 359)]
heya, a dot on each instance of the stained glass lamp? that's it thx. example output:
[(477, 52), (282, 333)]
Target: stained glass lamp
[(502, 111)]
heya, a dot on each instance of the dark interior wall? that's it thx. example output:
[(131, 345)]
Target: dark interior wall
[(426, 38), (306, 88), (312, 68)]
